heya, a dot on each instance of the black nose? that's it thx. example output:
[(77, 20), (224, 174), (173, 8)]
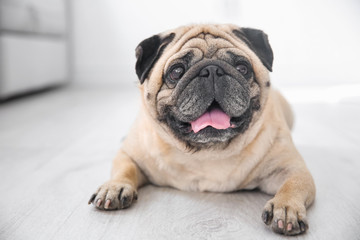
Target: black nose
[(211, 71)]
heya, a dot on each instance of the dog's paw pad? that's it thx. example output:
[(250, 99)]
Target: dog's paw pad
[(113, 195)]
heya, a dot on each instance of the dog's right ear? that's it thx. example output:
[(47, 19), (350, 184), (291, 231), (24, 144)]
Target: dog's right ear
[(148, 52)]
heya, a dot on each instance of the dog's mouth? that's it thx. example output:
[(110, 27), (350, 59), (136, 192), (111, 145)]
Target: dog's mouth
[(213, 120), (213, 117), (211, 127)]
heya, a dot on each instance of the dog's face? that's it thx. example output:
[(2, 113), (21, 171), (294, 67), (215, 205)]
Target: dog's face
[(205, 84)]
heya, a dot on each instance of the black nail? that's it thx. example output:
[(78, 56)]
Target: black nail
[(125, 201), (265, 216), (302, 226), (92, 198)]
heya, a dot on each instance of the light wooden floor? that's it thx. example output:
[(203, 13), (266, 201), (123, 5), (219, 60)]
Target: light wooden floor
[(56, 149)]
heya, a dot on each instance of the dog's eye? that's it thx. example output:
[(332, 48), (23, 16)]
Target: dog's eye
[(242, 68), (177, 73)]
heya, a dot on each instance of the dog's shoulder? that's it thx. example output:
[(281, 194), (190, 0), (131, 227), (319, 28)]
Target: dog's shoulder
[(279, 110)]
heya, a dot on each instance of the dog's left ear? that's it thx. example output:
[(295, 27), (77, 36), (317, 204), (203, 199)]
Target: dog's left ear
[(258, 42), (148, 52)]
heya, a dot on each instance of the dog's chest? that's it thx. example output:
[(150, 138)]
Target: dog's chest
[(193, 174)]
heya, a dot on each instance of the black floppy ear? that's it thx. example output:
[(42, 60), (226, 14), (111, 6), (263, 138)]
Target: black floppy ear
[(258, 42), (148, 52)]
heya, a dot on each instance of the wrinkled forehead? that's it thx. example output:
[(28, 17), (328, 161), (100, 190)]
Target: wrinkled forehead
[(205, 46), (207, 43)]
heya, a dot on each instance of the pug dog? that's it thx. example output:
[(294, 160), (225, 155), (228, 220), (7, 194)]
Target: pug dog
[(210, 121)]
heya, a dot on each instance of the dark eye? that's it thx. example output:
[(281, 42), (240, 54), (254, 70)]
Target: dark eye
[(176, 73), (242, 68)]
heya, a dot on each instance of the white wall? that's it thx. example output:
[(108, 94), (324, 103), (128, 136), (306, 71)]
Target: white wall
[(314, 42)]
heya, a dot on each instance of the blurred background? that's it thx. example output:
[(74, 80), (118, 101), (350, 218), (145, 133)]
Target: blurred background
[(91, 42)]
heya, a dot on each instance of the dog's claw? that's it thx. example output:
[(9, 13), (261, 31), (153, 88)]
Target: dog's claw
[(289, 227), (92, 198), (107, 204), (98, 203), (267, 217), (303, 226)]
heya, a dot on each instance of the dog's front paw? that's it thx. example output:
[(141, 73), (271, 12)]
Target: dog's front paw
[(114, 195), (285, 217)]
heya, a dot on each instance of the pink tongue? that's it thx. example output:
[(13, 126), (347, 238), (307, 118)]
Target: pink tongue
[(215, 118)]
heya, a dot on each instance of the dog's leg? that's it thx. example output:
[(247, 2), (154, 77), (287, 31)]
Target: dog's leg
[(286, 212), (121, 190)]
